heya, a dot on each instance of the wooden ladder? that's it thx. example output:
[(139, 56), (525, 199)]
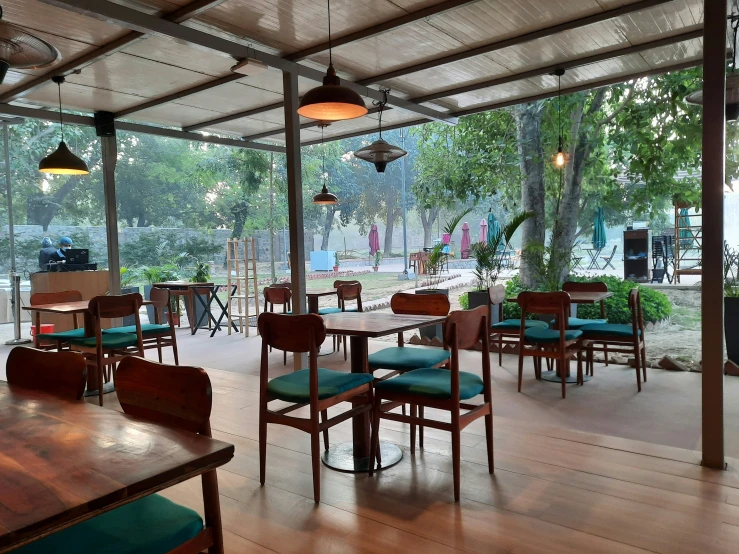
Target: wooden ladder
[(241, 255)]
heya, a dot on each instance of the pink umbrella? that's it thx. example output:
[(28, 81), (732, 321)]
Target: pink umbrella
[(465, 245), (484, 231), (374, 240)]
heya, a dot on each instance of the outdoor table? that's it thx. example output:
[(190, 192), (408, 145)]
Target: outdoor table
[(576, 297), (187, 289), (71, 308), (211, 291), (354, 456), (593, 253), (314, 295), (66, 462)]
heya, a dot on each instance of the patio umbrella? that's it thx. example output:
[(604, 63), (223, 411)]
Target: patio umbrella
[(484, 231), (493, 228), (374, 240), (686, 234), (599, 229), (465, 245)]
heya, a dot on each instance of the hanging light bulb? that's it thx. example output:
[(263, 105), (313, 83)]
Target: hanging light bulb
[(331, 101), (324, 198), (559, 159), (62, 161), (380, 152)]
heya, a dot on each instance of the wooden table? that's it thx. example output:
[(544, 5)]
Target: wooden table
[(188, 289), (72, 309), (65, 462), (359, 327), (314, 295)]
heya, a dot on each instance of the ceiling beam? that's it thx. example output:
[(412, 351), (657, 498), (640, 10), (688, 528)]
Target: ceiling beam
[(135, 20), (380, 28), (231, 117), (88, 121), (179, 15), (543, 96), (519, 39)]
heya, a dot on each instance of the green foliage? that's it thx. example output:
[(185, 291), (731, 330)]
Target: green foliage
[(548, 264), (160, 274), (378, 258), (128, 277), (464, 301), (202, 272), (655, 305), (159, 247), (202, 248), (488, 256), (336, 259)]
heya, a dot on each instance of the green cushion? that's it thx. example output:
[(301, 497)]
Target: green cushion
[(324, 311), (576, 322), (514, 324), (114, 340), (150, 525), (432, 383), (549, 335), (608, 329), (406, 358), (295, 387), (146, 329), (63, 335)]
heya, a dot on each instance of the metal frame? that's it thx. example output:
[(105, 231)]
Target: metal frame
[(109, 146)]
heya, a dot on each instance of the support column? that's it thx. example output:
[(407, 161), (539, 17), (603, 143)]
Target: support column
[(295, 199), (712, 308), (106, 131)]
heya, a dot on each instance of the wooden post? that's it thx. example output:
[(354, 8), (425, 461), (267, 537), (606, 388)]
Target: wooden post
[(712, 309), (109, 147), (294, 199)]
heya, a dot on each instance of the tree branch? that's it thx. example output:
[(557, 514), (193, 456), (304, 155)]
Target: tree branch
[(625, 102)]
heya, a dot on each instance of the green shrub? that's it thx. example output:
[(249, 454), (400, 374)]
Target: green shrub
[(464, 301), (655, 305)]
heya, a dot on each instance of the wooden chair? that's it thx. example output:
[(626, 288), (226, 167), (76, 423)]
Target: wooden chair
[(506, 331), (59, 337), (105, 350), (575, 286), (159, 334), (349, 292), (63, 374), (315, 387), (444, 389), (608, 259), (281, 296), (628, 339), (400, 359), (560, 345)]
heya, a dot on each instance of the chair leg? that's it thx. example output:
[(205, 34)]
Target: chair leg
[(315, 450), (345, 348), (644, 360), (605, 353), (580, 380), (212, 506), (284, 357), (159, 349), (562, 374), (100, 367), (637, 363), (262, 442), (420, 427), (456, 453), (402, 408), (174, 350), (375, 442), (414, 414), (324, 417), (500, 350), (489, 437), (520, 365)]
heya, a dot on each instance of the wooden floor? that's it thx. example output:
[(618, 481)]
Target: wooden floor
[(554, 490)]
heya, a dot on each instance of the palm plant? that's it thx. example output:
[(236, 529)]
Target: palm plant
[(488, 256)]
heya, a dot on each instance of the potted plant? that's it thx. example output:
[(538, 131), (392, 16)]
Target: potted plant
[(378, 258), (336, 262), (200, 275), (731, 303), (489, 260)]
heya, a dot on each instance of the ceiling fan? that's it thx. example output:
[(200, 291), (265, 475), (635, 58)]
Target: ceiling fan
[(21, 50)]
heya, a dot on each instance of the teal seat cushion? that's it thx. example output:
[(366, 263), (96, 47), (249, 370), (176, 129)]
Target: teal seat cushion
[(114, 340), (576, 322), (549, 335), (146, 329), (515, 324), (406, 358), (608, 329), (295, 387), (63, 335), (150, 525), (432, 383), (325, 311)]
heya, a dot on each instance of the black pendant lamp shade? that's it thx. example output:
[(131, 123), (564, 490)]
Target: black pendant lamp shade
[(324, 198), (62, 161), (331, 101), (380, 152)]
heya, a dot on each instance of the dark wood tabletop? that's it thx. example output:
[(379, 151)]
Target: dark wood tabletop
[(64, 462), (580, 297), (325, 292), (373, 325), (66, 307), (181, 285)]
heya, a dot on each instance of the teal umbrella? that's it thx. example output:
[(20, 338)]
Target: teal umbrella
[(493, 229), (686, 234), (599, 229)]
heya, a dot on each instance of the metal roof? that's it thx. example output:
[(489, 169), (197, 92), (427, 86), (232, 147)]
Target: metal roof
[(167, 63)]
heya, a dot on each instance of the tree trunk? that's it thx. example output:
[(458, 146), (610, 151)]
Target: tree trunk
[(428, 218), (531, 160), (392, 215), (328, 223)]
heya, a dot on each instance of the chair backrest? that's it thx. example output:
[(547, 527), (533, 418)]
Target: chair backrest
[(109, 307), (171, 395), (62, 374), (292, 333), (340, 282), (556, 303), (576, 286), (160, 301), (40, 298), (420, 304), (463, 330), (613, 252), (349, 292), (637, 318), (277, 295)]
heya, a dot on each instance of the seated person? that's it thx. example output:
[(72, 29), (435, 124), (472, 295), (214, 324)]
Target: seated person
[(65, 243), (44, 255)]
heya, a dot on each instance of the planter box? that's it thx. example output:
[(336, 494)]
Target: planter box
[(731, 327), (129, 319), (482, 298), (199, 310), (436, 330)]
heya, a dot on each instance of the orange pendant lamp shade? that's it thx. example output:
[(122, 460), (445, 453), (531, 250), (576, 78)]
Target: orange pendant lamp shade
[(332, 101)]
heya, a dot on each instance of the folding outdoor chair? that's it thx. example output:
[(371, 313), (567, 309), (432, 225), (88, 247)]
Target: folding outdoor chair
[(608, 259)]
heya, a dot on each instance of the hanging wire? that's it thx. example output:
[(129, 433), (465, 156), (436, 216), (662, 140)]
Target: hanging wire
[(381, 106), (61, 121), (330, 60)]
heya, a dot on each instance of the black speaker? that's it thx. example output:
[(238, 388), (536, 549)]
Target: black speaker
[(104, 124)]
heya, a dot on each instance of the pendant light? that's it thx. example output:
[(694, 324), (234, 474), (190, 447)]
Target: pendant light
[(61, 161), (331, 101), (380, 152), (324, 198), (732, 81), (559, 159)]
